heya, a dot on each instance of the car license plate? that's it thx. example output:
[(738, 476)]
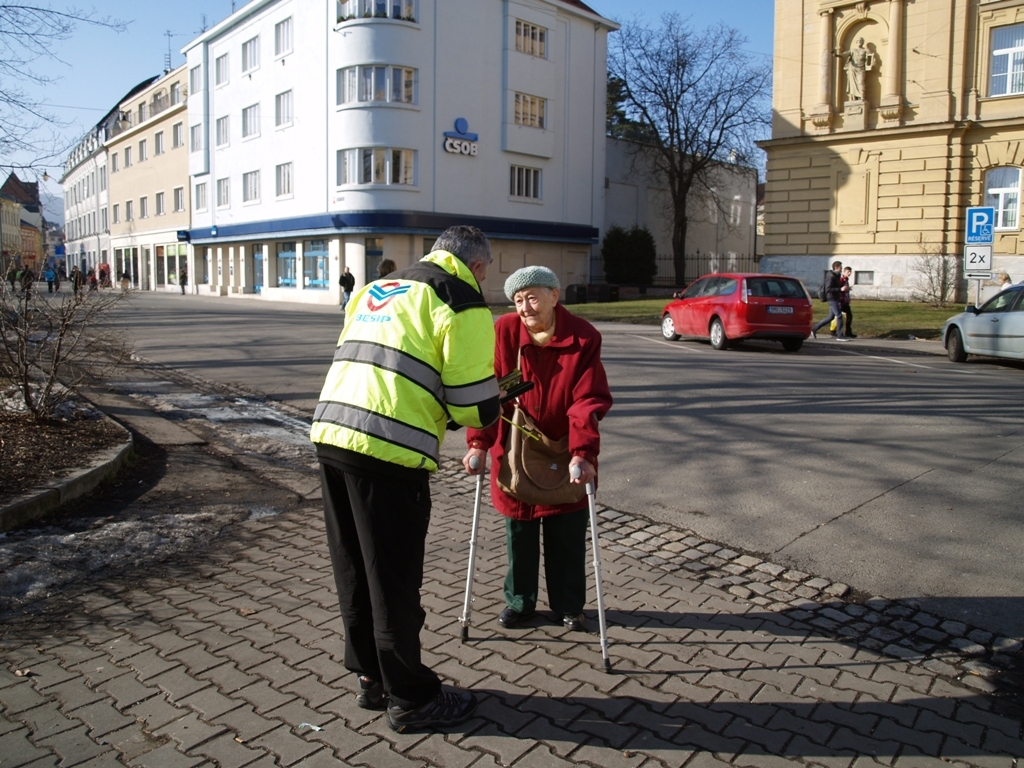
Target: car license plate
[(780, 310)]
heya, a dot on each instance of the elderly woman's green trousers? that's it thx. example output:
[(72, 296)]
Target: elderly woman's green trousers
[(565, 554)]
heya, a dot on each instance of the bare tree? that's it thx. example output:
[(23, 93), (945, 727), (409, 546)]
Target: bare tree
[(699, 100), (939, 279), (30, 134), (50, 346)]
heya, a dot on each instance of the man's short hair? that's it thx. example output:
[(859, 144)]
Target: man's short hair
[(468, 243), (836, 264)]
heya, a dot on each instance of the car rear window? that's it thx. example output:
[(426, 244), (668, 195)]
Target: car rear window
[(775, 287)]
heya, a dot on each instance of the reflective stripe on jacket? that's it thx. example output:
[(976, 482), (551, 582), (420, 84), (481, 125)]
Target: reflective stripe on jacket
[(416, 350)]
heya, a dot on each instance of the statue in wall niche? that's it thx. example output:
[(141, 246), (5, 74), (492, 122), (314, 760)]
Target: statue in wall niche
[(859, 61)]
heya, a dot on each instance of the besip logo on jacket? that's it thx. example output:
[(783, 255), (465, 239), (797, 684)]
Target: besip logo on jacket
[(384, 294), (379, 297)]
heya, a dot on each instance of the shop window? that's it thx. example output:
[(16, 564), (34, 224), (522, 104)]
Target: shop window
[(1006, 64), (315, 265), (1002, 192), (286, 265)]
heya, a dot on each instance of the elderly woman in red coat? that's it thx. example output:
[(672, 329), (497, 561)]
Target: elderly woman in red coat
[(561, 354)]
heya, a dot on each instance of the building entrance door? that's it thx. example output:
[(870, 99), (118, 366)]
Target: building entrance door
[(257, 269)]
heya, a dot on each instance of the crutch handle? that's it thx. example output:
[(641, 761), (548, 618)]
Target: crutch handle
[(474, 463), (575, 472)]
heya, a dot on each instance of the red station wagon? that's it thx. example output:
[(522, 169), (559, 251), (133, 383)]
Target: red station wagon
[(725, 308)]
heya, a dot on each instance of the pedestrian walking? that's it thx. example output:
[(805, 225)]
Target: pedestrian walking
[(27, 278), (50, 276), (845, 294), (91, 279), (183, 279), (12, 278), (831, 291), (561, 354), (377, 429), (76, 280), (347, 281), (1005, 281)]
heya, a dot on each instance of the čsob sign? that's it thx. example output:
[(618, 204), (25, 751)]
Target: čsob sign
[(460, 141)]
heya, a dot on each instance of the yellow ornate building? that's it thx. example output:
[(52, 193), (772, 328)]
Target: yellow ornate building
[(891, 117)]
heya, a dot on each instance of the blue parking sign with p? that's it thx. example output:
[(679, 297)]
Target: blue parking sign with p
[(980, 222)]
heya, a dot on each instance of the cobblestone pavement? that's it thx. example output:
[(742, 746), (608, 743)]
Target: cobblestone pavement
[(231, 656)]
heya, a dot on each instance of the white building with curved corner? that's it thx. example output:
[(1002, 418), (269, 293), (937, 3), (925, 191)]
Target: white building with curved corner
[(326, 134)]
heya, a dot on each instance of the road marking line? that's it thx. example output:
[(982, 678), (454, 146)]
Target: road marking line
[(673, 344)]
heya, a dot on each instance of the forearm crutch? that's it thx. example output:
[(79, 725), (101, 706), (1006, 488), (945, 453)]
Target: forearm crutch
[(474, 464), (576, 472)]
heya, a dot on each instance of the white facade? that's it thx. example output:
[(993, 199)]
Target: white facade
[(85, 185), (361, 137)]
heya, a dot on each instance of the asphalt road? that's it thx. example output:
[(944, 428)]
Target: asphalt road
[(896, 473)]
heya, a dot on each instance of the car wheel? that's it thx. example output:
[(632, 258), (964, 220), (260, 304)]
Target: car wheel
[(718, 338), (955, 347), (668, 328), (792, 345)]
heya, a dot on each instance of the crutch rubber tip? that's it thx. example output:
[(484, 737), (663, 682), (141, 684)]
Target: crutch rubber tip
[(607, 666), (465, 634)]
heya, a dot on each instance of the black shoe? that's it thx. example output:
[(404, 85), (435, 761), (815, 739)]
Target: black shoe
[(573, 621), (814, 333), (511, 618), (371, 694), (851, 335), (445, 709)]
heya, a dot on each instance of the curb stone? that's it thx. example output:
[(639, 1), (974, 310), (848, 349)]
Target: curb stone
[(79, 481)]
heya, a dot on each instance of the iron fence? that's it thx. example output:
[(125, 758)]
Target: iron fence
[(695, 265)]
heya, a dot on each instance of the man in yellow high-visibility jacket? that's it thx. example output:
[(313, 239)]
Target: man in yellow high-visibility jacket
[(417, 351)]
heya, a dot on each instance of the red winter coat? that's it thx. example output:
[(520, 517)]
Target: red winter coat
[(570, 396)]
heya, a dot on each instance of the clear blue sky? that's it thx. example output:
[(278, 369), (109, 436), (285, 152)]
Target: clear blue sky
[(100, 66)]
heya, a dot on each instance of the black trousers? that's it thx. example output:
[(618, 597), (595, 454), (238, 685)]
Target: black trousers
[(376, 533)]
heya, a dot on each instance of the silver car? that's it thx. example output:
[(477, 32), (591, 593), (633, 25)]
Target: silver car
[(996, 328)]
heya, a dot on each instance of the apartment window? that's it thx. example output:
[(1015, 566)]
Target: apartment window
[(283, 109), (127, 157), (250, 54), (376, 165), (250, 186), (531, 39), (200, 197), (1002, 192), (177, 135), (251, 121), (195, 79), (381, 9), (283, 180), (143, 113), (223, 131), (223, 192), (286, 265), (196, 137), (143, 207), (143, 152), (116, 213), (221, 69), (529, 110), (862, 277), (160, 208), (103, 178), (524, 182), (1007, 61), (158, 143), (376, 83), (175, 93), (283, 37), (128, 212), (179, 199), (104, 225)]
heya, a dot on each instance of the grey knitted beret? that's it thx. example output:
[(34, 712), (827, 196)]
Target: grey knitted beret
[(527, 277)]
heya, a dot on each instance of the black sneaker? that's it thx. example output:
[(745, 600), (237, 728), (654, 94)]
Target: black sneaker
[(510, 618), (573, 621), (447, 708), (371, 694)]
